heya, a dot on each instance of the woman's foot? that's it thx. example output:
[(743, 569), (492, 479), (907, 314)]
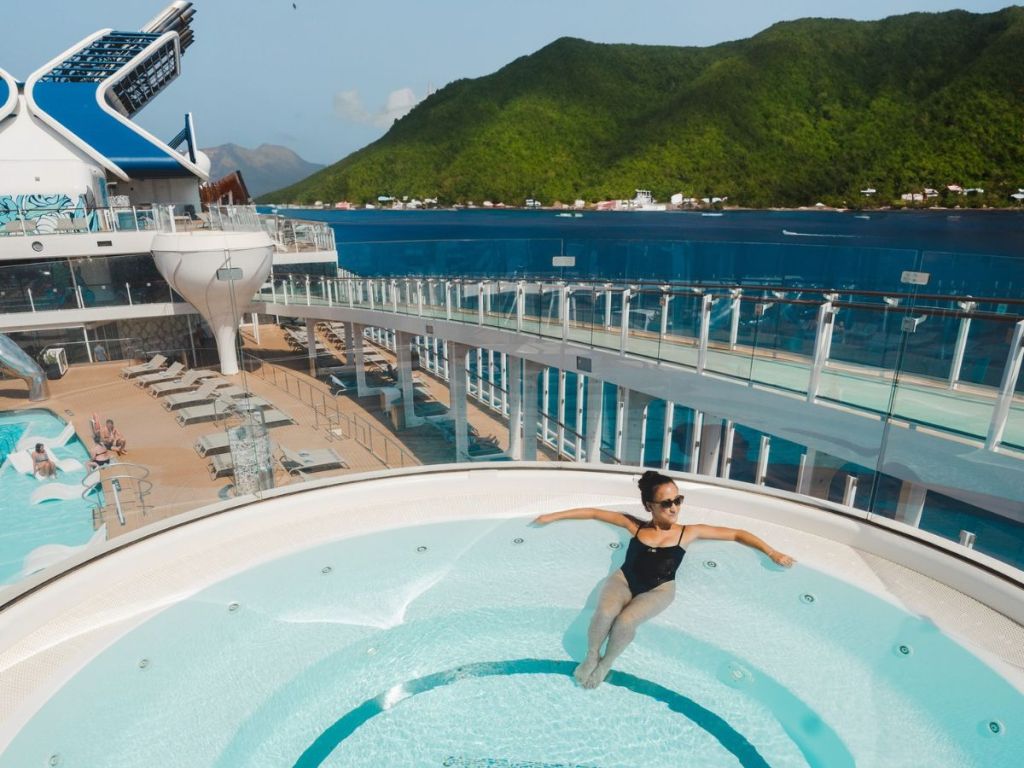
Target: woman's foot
[(597, 676), (585, 669)]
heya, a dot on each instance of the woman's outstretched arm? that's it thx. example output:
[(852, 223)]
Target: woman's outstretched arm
[(590, 513), (740, 535)]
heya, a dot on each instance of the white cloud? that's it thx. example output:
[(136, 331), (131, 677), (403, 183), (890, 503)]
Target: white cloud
[(348, 105)]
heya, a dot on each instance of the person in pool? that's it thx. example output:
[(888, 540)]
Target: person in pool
[(41, 464), (645, 585)]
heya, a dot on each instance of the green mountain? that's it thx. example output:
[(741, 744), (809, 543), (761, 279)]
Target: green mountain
[(805, 111)]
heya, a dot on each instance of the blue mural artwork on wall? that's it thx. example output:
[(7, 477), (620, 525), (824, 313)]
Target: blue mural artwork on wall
[(44, 211)]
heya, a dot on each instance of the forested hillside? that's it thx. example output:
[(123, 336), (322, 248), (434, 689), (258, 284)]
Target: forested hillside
[(806, 111)]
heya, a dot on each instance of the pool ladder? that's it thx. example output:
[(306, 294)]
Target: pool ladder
[(120, 488)]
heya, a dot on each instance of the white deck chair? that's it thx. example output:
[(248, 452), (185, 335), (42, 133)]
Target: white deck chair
[(155, 363)]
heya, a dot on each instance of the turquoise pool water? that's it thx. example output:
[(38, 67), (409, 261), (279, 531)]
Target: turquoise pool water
[(453, 645), (25, 526)]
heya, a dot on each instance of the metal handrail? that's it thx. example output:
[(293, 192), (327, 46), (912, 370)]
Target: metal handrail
[(112, 474)]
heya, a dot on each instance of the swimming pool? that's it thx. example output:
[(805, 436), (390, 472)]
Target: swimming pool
[(451, 644), (26, 526)]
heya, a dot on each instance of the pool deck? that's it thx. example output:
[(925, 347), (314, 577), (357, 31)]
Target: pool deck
[(180, 476)]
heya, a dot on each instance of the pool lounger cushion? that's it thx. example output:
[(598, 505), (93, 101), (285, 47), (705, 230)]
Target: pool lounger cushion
[(186, 383), (155, 363), (172, 372), (218, 409), (300, 462), (210, 390)]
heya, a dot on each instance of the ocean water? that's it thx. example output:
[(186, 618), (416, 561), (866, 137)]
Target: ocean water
[(976, 252), (453, 645)]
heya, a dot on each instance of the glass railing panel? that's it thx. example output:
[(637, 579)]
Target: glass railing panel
[(722, 357), (644, 323), (502, 308), (782, 333), (682, 329), (584, 314)]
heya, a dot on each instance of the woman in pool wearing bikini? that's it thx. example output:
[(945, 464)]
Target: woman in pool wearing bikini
[(645, 585)]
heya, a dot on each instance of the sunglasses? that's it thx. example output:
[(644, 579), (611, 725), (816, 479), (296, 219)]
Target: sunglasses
[(669, 503)]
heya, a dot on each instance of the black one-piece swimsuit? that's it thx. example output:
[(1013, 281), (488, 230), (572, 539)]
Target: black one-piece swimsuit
[(646, 567)]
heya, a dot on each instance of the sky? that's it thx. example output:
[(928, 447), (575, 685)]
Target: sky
[(327, 77)]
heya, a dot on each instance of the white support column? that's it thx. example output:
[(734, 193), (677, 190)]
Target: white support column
[(403, 351), (480, 303), (520, 304), (419, 298), (1011, 372), (734, 317), (710, 445), (560, 414), (666, 433), (762, 459), (311, 345), (822, 344), (448, 299), (457, 392), (666, 300), (961, 345), (446, 369), (350, 345), (563, 308), (635, 418), (696, 446), (514, 372), (850, 491), (726, 463), (435, 357), (624, 324), (607, 308), (805, 474), (479, 378), (255, 317), (705, 329), (911, 503), (490, 377), (620, 420), (351, 292), (578, 426), (531, 371), (88, 346), (505, 357), (545, 399), (595, 418), (370, 291), (358, 362)]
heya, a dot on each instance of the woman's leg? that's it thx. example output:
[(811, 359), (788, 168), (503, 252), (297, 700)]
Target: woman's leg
[(614, 596), (644, 606)]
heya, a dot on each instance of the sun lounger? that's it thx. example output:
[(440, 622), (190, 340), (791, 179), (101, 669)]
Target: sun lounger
[(201, 396), (189, 381), (221, 465), (207, 392), (219, 409), (172, 372), (213, 444), (301, 462), (155, 363)]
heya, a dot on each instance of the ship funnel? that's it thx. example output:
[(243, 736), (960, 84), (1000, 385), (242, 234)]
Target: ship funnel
[(218, 273)]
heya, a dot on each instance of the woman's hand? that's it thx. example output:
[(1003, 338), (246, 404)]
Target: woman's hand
[(781, 558), (543, 520)]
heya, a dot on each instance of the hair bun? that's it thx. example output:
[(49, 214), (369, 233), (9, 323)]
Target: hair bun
[(650, 480)]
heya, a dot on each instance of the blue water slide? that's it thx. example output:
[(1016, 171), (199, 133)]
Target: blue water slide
[(14, 360), (8, 94)]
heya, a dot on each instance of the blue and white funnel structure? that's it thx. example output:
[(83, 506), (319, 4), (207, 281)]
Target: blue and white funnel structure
[(218, 273)]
